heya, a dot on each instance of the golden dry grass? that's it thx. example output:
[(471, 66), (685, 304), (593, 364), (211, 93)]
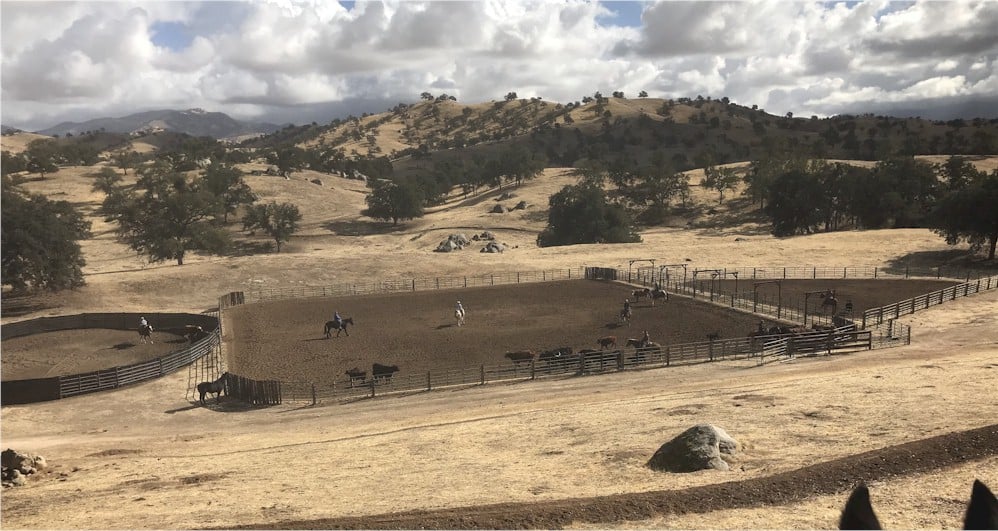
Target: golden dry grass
[(146, 458)]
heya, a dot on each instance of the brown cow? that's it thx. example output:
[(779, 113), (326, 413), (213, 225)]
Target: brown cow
[(607, 342)]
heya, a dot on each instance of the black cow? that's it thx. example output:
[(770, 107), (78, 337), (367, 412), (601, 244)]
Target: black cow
[(556, 357), (520, 356), (383, 372), (356, 376)]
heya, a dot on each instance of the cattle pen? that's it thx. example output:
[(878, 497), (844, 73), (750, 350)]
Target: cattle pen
[(849, 336)]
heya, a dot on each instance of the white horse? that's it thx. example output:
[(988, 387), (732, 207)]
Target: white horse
[(145, 333), (459, 317)]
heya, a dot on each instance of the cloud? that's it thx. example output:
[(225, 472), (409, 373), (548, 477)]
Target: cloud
[(273, 60)]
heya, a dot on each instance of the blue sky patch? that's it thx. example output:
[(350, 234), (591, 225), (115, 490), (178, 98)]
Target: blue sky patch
[(175, 36), (628, 13)]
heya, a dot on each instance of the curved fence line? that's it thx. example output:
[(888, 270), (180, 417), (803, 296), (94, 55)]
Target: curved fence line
[(41, 389)]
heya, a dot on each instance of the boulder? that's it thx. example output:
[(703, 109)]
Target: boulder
[(493, 247), (317, 181), (454, 242), (498, 209), (487, 235), (698, 448), (520, 206)]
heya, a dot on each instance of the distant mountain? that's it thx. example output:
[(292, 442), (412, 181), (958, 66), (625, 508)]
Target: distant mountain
[(195, 122)]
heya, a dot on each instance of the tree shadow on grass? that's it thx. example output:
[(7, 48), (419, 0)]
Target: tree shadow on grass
[(18, 305), (249, 248), (362, 227), (949, 258)]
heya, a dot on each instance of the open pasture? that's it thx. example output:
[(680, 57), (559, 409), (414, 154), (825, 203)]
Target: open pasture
[(416, 331)]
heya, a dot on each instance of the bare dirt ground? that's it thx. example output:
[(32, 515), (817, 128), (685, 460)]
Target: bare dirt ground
[(145, 457)]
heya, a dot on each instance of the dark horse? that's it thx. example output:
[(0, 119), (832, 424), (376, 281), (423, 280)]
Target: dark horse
[(217, 387), (342, 326), (981, 512), (145, 333)]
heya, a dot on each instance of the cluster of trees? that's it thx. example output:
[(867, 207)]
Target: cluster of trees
[(954, 199), (167, 214), (40, 240), (582, 213), (400, 198)]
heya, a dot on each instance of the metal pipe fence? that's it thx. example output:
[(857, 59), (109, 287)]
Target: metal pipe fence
[(875, 316), (399, 285), (790, 308)]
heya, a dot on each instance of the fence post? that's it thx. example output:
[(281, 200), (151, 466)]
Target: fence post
[(517, 277), (438, 282), (784, 272), (570, 272), (492, 279), (667, 356), (372, 386), (874, 272), (465, 281), (483, 374), (533, 366), (429, 386), (313, 394)]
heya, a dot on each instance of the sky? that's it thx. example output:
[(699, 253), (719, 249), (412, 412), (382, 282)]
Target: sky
[(294, 61)]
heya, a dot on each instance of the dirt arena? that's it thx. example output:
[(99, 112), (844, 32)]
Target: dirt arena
[(68, 352), (283, 339)]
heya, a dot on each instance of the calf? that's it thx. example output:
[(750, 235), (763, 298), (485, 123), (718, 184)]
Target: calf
[(607, 342)]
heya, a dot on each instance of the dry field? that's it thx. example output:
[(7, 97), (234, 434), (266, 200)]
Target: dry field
[(145, 457)]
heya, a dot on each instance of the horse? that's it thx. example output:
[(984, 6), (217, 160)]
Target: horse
[(459, 317), (342, 326), (636, 343), (982, 509), (625, 316), (829, 301), (658, 294), (217, 387), (194, 333), (145, 333), (607, 342), (638, 293)]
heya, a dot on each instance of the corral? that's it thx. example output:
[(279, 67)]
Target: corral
[(283, 339)]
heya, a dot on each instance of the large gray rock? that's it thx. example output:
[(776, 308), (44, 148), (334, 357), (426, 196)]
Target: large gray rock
[(698, 448), (454, 242)]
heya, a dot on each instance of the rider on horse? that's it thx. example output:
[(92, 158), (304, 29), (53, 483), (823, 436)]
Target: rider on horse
[(627, 306), (338, 319)]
